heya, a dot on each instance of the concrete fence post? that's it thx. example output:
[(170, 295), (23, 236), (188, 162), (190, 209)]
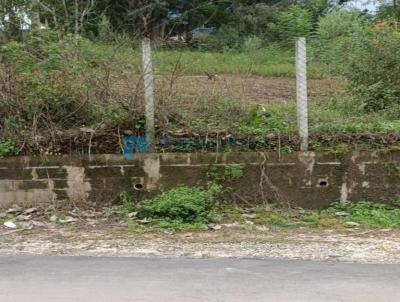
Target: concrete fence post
[(301, 88), (148, 92)]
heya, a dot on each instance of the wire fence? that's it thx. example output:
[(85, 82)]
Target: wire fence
[(229, 141), (87, 96)]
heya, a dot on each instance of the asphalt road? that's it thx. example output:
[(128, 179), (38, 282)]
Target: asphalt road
[(34, 278)]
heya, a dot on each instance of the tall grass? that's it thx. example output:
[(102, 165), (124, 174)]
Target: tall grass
[(267, 62), (326, 117), (264, 62)]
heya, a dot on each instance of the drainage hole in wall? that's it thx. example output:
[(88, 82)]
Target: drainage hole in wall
[(323, 183), (138, 187)]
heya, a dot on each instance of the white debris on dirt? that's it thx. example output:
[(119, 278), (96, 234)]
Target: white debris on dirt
[(379, 247), (249, 215), (10, 225), (89, 233)]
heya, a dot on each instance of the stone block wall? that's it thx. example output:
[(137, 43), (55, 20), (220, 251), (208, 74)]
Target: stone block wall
[(308, 179)]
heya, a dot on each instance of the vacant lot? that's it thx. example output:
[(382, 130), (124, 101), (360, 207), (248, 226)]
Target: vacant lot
[(96, 87), (248, 88)]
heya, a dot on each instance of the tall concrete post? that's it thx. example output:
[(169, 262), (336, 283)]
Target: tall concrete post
[(148, 92), (301, 87)]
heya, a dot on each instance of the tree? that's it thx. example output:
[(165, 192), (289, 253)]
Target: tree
[(140, 17), (65, 16), (13, 17), (151, 17), (292, 23), (389, 11)]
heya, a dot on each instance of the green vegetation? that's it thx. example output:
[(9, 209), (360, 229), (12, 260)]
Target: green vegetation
[(263, 120), (233, 172), (368, 214), (200, 209), (49, 97), (105, 19), (278, 217), (371, 64), (184, 209), (85, 73), (338, 215), (328, 116), (181, 208), (294, 22), (7, 147), (266, 61)]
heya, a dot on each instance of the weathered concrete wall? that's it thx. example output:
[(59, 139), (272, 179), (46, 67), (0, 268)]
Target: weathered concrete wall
[(305, 179)]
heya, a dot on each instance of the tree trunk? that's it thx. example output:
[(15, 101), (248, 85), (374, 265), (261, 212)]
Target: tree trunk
[(76, 18)]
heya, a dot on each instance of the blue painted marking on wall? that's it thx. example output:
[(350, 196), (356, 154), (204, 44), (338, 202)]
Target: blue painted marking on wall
[(140, 144), (135, 144)]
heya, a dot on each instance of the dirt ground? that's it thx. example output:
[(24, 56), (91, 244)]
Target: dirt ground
[(104, 238), (250, 88)]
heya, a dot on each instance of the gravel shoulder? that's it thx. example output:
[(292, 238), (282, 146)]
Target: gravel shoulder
[(353, 245)]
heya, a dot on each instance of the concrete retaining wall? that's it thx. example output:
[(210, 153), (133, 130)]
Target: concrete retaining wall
[(305, 179)]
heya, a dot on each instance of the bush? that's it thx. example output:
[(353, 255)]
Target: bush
[(338, 34), (45, 82), (373, 70), (377, 96), (257, 20), (252, 43), (388, 10), (366, 56), (293, 23), (227, 37), (105, 33), (369, 214), (51, 85), (341, 23), (182, 205), (262, 121), (7, 147), (203, 43)]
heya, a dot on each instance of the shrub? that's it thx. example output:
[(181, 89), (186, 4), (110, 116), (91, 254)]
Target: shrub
[(373, 70), (45, 82), (203, 43), (338, 33), (7, 147), (252, 43), (341, 23), (388, 10), (262, 121), (50, 85), (227, 37), (366, 56), (369, 214), (257, 20), (293, 23), (376, 96), (182, 205), (105, 32)]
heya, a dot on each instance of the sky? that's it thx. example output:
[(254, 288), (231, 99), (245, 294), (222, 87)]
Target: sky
[(370, 5)]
